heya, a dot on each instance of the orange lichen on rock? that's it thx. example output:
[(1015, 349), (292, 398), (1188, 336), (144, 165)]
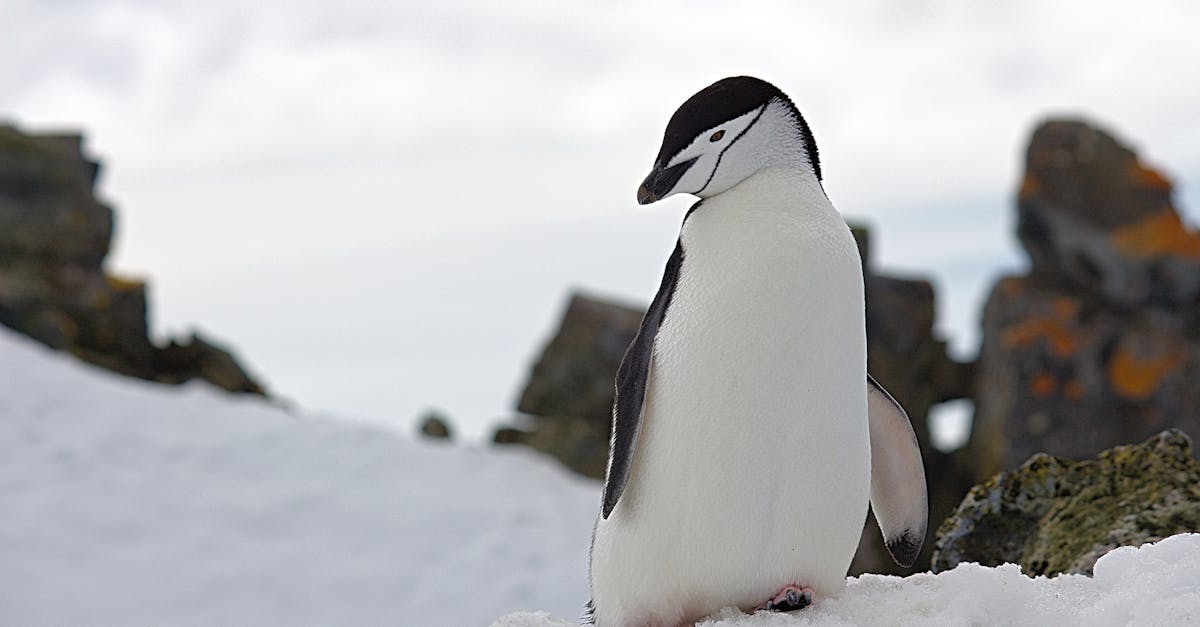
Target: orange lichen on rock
[(123, 284), (1066, 308), (1147, 177), (1043, 385), (1135, 376), (1030, 186), (1074, 390), (1053, 329), (1009, 285), (1161, 234)]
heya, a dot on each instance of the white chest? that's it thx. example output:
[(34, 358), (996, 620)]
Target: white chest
[(753, 466)]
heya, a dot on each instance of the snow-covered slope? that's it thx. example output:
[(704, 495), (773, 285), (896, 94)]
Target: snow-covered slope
[(1152, 585), (129, 503)]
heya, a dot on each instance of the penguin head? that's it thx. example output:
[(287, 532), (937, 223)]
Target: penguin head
[(725, 133)]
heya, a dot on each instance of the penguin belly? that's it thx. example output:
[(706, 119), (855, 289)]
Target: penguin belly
[(753, 467)]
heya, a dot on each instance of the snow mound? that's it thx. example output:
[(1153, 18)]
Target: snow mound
[(129, 503), (1154, 584)]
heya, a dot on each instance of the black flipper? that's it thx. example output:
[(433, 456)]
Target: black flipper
[(632, 379)]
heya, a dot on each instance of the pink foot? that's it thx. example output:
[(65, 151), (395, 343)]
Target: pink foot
[(789, 599)]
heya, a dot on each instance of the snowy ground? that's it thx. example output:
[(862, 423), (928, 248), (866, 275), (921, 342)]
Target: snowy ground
[(1156, 584), (128, 503)]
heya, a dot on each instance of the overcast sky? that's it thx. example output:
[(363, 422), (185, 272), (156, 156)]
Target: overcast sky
[(382, 206)]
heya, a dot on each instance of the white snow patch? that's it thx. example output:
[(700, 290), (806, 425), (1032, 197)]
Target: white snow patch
[(129, 503), (950, 424), (1154, 584), (123, 502)]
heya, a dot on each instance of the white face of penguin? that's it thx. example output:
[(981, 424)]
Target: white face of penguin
[(705, 155)]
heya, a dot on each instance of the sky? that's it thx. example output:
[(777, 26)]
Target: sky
[(382, 207)]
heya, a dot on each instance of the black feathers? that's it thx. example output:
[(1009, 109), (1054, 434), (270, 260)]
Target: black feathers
[(720, 102), (904, 549), (632, 378)]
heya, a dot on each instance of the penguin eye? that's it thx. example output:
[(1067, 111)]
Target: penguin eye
[(716, 137)]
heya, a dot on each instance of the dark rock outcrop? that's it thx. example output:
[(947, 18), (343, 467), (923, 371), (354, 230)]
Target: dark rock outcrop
[(436, 426), (569, 396), (574, 375), (1091, 214), (54, 237), (1052, 515), (1100, 343), (905, 355)]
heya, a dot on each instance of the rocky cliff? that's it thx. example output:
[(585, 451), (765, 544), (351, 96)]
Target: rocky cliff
[(54, 238), (1053, 515), (1099, 343)]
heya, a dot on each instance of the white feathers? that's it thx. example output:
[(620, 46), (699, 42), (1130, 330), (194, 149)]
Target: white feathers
[(752, 471), (898, 494)]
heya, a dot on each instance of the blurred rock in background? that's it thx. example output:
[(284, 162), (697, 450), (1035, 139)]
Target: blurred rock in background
[(569, 395), (1052, 515), (54, 237), (1099, 344), (911, 362), (436, 426)]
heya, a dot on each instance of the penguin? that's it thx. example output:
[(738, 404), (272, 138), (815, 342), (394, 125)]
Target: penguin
[(747, 436)]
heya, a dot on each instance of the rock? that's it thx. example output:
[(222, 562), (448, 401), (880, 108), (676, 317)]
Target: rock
[(570, 391), (1093, 215), (575, 373), (1100, 343), (46, 203), (1052, 515), (1064, 374), (905, 356), (509, 435), (54, 237), (436, 426), (581, 444), (199, 358)]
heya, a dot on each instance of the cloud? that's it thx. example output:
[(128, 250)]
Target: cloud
[(250, 136)]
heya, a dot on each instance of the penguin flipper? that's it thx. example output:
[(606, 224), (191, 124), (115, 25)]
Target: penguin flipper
[(898, 492), (632, 380)]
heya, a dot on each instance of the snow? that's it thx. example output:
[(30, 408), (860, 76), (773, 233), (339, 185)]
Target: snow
[(1155, 584), (125, 502), (130, 503)]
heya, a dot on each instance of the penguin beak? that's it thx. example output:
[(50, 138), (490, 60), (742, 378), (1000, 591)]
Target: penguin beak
[(661, 181)]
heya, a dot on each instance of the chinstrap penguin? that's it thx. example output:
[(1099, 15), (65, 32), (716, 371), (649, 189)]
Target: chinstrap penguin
[(747, 435)]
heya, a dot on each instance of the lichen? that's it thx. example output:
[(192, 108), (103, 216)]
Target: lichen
[(1136, 375), (1147, 177), (1159, 235), (1054, 328), (1056, 516)]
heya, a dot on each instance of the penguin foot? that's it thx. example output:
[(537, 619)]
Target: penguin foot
[(789, 599)]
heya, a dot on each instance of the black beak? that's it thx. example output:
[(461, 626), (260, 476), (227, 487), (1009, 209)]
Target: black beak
[(661, 181)]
